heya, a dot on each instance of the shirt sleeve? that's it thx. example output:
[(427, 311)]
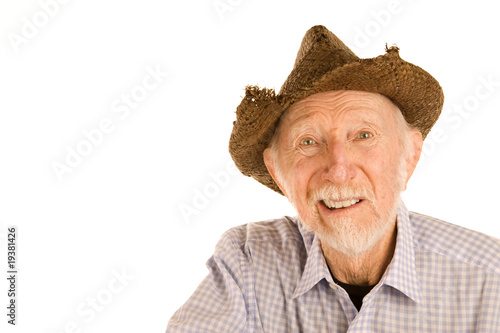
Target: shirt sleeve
[(218, 304)]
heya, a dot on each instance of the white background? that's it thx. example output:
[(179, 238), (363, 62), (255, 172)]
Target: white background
[(119, 210)]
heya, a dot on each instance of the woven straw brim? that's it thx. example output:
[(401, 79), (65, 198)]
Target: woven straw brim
[(418, 95)]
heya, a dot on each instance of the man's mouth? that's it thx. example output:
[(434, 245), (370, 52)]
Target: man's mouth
[(333, 205)]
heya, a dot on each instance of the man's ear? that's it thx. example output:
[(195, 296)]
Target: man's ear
[(270, 162), (416, 150)]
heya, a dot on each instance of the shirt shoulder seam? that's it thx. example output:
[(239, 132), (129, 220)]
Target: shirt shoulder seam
[(467, 261)]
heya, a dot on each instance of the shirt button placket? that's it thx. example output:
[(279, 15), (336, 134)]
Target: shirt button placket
[(349, 308)]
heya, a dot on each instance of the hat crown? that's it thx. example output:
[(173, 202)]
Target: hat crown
[(320, 52)]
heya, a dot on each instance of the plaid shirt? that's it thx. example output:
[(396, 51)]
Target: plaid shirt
[(272, 277)]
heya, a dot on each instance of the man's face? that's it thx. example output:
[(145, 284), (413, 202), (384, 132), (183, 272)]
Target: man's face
[(340, 162)]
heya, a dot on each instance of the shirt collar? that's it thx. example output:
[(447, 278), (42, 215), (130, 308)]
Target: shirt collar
[(400, 274), (316, 268)]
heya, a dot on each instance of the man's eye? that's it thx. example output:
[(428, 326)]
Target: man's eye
[(307, 142), (364, 135)]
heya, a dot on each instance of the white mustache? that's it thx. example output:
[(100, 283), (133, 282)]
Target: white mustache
[(341, 193)]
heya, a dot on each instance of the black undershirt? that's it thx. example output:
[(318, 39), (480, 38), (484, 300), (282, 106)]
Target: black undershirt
[(356, 293)]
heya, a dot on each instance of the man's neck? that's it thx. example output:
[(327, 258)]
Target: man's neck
[(367, 268)]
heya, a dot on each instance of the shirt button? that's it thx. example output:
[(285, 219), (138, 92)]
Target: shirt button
[(334, 287)]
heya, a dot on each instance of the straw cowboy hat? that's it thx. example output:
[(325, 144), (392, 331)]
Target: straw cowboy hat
[(325, 63)]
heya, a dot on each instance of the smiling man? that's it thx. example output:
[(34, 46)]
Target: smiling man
[(342, 158), (340, 141)]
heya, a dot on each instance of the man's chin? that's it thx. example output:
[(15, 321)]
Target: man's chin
[(349, 245), (347, 235)]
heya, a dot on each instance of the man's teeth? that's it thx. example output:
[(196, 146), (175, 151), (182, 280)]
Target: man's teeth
[(339, 204)]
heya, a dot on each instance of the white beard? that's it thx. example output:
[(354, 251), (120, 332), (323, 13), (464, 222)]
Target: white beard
[(344, 234), (348, 236)]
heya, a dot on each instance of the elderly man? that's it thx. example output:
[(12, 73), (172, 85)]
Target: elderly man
[(340, 141)]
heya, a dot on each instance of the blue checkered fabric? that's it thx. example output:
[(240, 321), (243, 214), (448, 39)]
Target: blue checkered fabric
[(272, 277)]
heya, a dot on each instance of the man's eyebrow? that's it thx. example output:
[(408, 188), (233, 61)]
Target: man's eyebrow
[(300, 125)]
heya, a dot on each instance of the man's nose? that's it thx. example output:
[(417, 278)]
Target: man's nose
[(339, 168)]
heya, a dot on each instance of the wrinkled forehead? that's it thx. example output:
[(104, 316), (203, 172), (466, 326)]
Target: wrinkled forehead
[(372, 107)]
